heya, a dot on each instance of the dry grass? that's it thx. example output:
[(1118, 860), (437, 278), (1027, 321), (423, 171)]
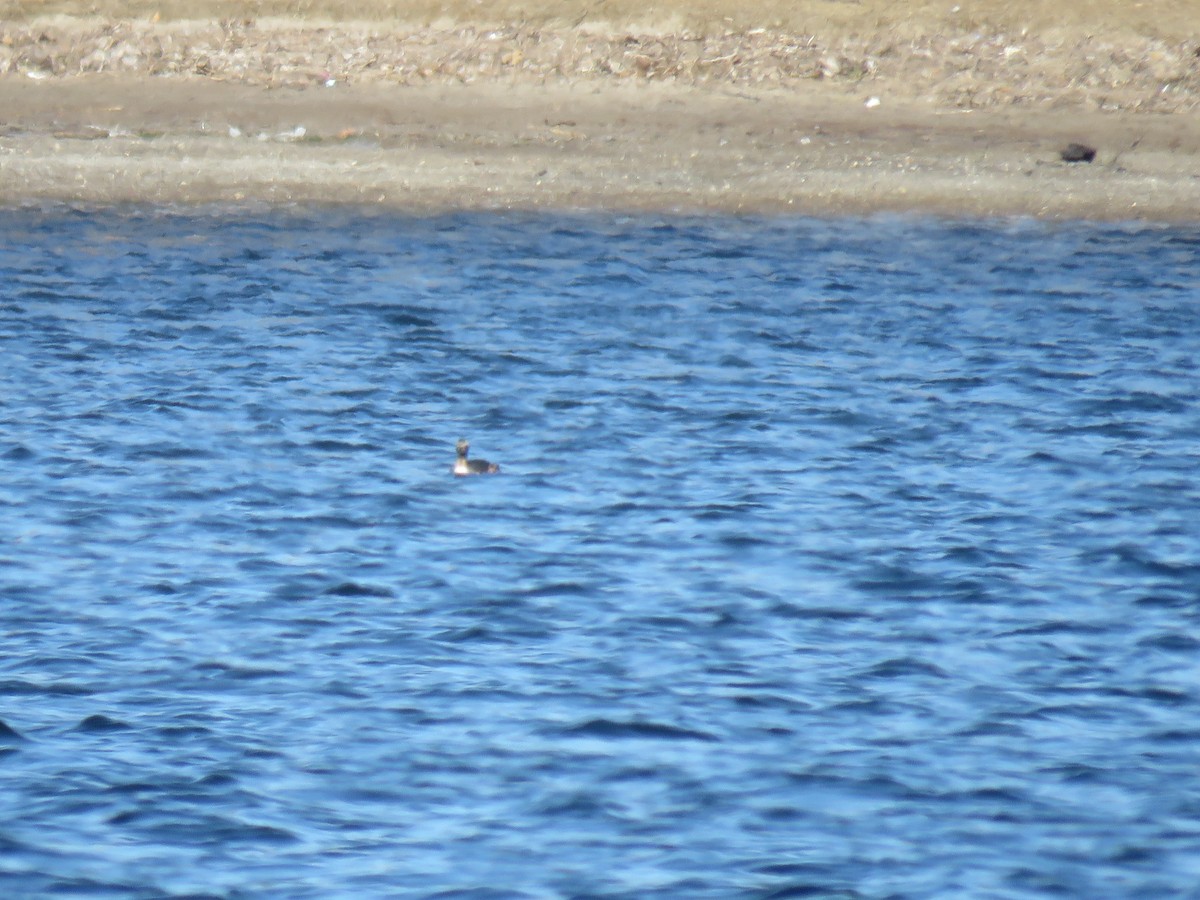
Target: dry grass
[(963, 68), (1102, 19)]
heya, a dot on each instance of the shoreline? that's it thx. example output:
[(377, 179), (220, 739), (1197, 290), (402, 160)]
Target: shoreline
[(427, 120)]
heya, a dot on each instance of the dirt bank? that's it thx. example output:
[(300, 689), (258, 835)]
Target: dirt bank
[(952, 109)]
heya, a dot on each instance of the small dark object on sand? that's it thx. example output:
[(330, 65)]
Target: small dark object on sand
[(1078, 153)]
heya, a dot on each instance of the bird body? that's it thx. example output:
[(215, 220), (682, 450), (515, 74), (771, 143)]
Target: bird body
[(464, 466)]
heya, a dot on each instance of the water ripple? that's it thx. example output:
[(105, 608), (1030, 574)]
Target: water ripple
[(840, 559)]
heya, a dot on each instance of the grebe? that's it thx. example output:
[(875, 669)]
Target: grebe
[(464, 466)]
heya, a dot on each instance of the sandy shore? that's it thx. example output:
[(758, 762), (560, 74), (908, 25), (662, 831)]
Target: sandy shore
[(438, 116)]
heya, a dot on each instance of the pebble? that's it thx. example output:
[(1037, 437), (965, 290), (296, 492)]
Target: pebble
[(967, 68)]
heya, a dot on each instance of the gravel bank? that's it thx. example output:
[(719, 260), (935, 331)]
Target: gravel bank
[(963, 120)]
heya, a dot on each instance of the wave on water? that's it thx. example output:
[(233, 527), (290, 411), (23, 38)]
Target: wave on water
[(827, 558)]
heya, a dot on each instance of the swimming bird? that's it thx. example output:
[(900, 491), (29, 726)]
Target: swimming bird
[(464, 466)]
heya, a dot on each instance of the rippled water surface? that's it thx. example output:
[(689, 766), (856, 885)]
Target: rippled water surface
[(835, 559)]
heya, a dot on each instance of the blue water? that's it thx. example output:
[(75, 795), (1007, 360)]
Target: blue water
[(828, 558)]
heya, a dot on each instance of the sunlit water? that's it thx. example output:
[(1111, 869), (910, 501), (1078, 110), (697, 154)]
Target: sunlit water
[(835, 559)]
